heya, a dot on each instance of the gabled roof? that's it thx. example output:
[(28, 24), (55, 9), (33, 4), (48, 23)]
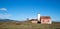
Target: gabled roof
[(45, 17)]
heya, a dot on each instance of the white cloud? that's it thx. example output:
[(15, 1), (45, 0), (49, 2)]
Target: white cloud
[(4, 9), (5, 16)]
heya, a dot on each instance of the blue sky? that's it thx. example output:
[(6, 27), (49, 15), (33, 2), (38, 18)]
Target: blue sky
[(22, 9)]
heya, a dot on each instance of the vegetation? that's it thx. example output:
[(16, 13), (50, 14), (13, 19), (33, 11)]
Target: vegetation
[(28, 25)]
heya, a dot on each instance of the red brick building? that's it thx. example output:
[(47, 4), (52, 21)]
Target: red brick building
[(45, 19)]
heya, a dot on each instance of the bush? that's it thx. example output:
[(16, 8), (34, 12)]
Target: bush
[(18, 24)]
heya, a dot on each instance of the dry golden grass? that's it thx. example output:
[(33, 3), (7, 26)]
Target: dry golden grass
[(28, 25)]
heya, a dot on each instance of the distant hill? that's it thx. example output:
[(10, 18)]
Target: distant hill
[(7, 20)]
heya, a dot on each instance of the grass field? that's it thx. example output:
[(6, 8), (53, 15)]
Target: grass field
[(28, 25)]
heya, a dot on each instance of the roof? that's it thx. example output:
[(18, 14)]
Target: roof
[(45, 17), (34, 20)]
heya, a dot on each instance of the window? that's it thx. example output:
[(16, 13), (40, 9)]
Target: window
[(43, 20), (47, 20)]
